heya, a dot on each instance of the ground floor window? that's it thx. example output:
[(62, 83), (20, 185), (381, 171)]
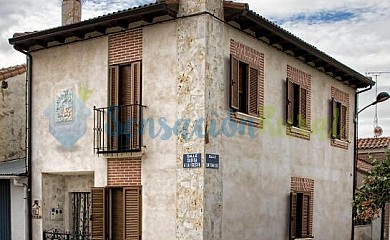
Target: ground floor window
[(116, 213), (80, 214), (301, 208)]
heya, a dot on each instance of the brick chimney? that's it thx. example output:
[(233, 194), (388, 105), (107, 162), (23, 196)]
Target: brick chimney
[(71, 11)]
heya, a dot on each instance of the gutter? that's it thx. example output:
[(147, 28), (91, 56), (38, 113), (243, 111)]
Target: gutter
[(355, 157), (28, 140)]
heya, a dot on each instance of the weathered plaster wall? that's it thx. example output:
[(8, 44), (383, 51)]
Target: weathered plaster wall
[(12, 118), (257, 171), (56, 69), (57, 189), (159, 161)]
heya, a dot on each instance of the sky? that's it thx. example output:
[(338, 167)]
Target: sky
[(355, 32)]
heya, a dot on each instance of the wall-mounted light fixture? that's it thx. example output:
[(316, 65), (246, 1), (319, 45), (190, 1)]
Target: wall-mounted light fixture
[(4, 84)]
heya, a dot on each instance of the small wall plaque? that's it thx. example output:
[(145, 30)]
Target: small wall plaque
[(192, 160), (212, 161)]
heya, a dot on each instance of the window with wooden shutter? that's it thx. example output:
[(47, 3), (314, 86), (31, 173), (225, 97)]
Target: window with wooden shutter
[(116, 213), (125, 107), (302, 118), (253, 96), (293, 215), (301, 213), (136, 102), (132, 213), (113, 115), (98, 226), (234, 80), (290, 102), (339, 122)]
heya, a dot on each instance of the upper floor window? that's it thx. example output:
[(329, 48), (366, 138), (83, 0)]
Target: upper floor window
[(298, 102), (339, 118), (246, 81)]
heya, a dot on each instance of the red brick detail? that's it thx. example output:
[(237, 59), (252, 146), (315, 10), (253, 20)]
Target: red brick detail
[(343, 98), (305, 185), (255, 59), (125, 47), (123, 172)]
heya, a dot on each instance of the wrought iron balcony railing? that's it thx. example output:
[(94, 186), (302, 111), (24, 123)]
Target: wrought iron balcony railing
[(117, 129)]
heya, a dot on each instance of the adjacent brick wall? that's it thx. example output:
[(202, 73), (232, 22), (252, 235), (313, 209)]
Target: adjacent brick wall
[(123, 172), (125, 47)]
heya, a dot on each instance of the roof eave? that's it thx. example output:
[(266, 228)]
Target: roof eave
[(123, 18), (287, 42)]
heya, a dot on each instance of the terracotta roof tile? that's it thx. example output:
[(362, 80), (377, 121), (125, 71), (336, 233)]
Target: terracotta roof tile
[(370, 143), (363, 166), (8, 72)]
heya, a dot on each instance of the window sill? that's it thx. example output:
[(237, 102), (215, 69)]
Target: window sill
[(339, 143), (304, 238), (127, 155), (247, 119), (298, 132)]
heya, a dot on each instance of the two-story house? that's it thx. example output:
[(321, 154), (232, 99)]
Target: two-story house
[(188, 120), (13, 171)]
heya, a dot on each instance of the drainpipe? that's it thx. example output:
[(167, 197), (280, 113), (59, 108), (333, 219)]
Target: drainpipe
[(355, 157), (28, 140)]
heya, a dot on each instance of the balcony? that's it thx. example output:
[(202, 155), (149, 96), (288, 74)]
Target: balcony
[(117, 129)]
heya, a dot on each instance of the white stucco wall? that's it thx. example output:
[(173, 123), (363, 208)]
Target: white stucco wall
[(81, 67), (18, 211), (257, 172), (159, 61)]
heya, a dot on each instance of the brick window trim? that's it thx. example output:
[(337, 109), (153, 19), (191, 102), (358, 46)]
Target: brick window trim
[(343, 98), (123, 172), (254, 58), (302, 79), (125, 46)]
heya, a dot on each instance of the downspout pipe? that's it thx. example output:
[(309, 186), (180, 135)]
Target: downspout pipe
[(28, 139), (355, 155)]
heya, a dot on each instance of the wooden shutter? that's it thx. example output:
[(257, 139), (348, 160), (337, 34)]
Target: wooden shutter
[(253, 92), (306, 215), (98, 226), (132, 213), (234, 81), (343, 123), (303, 108), (290, 102), (113, 116), (293, 215), (136, 76), (125, 95), (334, 118), (116, 224)]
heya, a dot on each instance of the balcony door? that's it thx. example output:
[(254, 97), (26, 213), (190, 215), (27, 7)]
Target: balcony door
[(125, 103)]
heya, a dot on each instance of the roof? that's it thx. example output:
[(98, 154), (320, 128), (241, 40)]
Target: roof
[(9, 72), (363, 166), (15, 167), (236, 14), (373, 143)]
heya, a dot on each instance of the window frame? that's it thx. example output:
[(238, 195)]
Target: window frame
[(339, 118), (252, 110)]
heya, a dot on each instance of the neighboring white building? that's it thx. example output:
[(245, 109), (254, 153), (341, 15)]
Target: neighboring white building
[(188, 120), (13, 169)]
